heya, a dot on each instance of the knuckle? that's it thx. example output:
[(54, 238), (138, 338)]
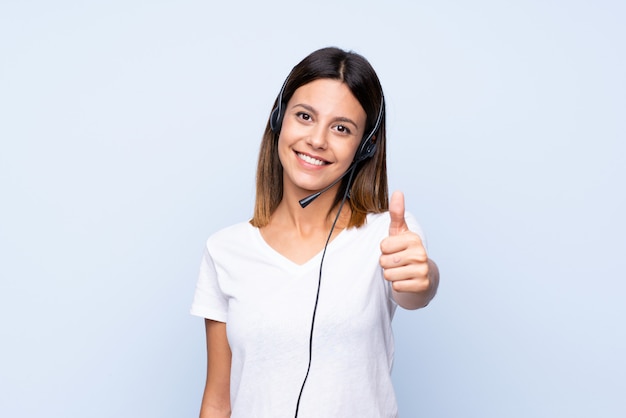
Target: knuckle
[(423, 285), (422, 270), (419, 256)]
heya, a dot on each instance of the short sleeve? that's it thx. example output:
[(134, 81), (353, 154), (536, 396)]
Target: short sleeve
[(209, 301)]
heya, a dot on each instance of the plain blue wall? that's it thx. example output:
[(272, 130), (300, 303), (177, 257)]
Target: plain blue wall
[(129, 132)]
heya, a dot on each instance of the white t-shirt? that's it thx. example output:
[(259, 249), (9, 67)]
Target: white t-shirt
[(267, 303)]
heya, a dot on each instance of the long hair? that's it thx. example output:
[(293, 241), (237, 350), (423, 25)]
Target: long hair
[(368, 192)]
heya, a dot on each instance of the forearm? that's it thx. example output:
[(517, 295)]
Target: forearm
[(216, 397)]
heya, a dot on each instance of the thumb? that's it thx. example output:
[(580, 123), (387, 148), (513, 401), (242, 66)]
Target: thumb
[(396, 213)]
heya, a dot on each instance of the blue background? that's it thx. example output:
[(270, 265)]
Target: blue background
[(129, 133)]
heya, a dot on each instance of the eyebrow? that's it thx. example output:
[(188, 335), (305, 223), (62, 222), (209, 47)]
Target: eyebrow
[(338, 119)]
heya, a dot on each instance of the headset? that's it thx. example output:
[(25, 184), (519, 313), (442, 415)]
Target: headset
[(367, 148)]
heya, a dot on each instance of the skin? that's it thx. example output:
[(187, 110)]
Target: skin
[(321, 131), (216, 398)]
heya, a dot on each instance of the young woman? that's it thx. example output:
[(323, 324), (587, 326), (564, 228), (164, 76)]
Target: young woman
[(298, 301)]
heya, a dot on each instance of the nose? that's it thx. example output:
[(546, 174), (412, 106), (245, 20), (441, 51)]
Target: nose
[(317, 138)]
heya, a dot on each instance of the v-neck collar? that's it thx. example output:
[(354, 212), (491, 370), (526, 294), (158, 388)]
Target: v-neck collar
[(289, 264)]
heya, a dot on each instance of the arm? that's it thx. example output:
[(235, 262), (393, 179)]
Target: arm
[(216, 398)]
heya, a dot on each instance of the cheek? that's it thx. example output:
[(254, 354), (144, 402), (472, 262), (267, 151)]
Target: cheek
[(283, 149), (350, 151)]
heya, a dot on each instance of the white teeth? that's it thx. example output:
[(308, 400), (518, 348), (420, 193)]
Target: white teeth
[(310, 160)]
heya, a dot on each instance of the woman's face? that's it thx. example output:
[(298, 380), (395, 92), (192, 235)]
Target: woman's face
[(321, 131)]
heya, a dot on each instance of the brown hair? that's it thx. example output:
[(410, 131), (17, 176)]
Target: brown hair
[(368, 192)]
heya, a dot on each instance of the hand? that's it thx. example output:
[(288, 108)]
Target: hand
[(404, 258)]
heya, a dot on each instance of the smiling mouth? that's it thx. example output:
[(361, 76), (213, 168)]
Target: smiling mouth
[(311, 160)]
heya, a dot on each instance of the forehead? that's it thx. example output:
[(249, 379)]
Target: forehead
[(328, 96)]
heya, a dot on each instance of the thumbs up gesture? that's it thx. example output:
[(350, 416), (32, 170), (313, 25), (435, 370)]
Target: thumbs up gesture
[(414, 277)]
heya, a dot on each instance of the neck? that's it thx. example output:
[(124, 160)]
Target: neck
[(318, 214)]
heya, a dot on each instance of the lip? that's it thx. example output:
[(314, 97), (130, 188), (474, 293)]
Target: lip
[(307, 159)]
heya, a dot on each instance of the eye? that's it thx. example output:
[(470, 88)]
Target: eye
[(304, 116), (343, 129)]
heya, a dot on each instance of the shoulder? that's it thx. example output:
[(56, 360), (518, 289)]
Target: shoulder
[(234, 235)]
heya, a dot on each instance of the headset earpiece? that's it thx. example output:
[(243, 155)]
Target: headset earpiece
[(368, 146), (366, 151), (276, 119)]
